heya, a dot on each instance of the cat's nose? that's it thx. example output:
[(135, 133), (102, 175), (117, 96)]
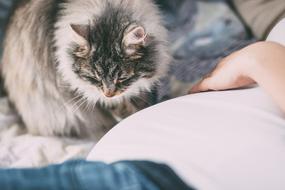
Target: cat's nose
[(109, 93), (109, 90)]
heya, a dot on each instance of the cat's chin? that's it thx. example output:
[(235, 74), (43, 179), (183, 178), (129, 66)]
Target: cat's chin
[(133, 91), (142, 85), (118, 99), (111, 101)]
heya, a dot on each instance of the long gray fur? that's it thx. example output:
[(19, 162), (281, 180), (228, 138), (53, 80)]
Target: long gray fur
[(39, 65)]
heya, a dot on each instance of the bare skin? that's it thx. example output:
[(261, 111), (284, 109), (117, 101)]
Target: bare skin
[(262, 63)]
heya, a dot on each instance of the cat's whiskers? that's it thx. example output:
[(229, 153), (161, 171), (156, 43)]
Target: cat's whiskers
[(71, 101), (77, 105), (83, 101), (74, 98), (94, 105), (89, 106), (64, 85)]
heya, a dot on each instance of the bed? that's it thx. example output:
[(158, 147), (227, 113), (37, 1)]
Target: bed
[(198, 41)]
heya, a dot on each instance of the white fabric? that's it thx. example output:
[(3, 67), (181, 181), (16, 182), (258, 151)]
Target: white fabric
[(217, 140), (18, 148), (278, 33)]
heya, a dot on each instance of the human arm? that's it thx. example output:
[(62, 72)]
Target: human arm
[(262, 63)]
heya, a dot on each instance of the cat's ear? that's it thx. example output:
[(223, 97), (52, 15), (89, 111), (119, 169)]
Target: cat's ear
[(81, 30), (81, 35), (134, 36)]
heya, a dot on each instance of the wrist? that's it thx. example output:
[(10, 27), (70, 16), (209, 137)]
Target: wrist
[(261, 56), (253, 57), (249, 67)]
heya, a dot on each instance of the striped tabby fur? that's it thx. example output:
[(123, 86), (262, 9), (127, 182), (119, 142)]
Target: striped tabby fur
[(76, 67)]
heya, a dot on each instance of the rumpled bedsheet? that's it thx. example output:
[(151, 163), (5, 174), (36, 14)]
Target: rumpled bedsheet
[(200, 32)]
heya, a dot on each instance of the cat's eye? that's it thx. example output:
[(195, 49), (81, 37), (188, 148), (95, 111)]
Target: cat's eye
[(92, 80), (122, 79)]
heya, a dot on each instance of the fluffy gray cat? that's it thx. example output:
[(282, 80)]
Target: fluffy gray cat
[(77, 67)]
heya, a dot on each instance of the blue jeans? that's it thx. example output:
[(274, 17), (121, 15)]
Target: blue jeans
[(84, 175)]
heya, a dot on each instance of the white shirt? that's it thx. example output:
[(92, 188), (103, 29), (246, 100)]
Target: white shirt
[(217, 140)]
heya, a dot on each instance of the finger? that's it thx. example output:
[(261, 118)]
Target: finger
[(203, 86)]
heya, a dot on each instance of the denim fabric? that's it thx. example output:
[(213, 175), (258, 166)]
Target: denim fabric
[(84, 175)]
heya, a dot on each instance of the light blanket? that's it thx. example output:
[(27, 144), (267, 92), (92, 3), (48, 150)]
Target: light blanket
[(20, 149)]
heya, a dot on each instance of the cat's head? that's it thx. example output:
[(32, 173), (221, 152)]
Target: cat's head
[(114, 57)]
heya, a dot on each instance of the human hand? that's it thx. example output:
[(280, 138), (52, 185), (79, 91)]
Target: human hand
[(231, 73)]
